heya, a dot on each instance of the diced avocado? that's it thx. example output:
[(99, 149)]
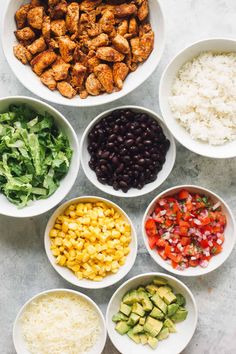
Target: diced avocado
[(137, 329), (169, 298), (141, 288), (156, 313), (138, 309), (152, 289), (152, 326), (152, 342), (142, 320), (147, 304), (159, 281), (119, 317), (130, 298), (159, 303), (125, 309), (180, 315), (122, 327), (170, 325), (171, 309), (133, 319), (163, 290), (163, 334), (143, 338), (142, 294), (180, 299), (134, 337)]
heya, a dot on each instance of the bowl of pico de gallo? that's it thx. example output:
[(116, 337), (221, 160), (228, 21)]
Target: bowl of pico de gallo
[(189, 230)]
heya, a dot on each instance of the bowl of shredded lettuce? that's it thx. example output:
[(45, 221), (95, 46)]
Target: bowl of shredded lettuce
[(39, 157)]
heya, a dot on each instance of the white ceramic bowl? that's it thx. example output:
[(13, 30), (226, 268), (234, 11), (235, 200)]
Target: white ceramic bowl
[(133, 192), (66, 273), (176, 342), (41, 206), (18, 338), (180, 133), (217, 260), (27, 77)]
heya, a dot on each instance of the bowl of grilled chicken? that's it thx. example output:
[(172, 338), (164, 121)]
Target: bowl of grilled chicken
[(83, 53)]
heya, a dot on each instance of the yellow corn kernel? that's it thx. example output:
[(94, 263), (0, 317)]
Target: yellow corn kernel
[(65, 227), (79, 275), (126, 250), (98, 278), (58, 241), (57, 226), (61, 260), (53, 233), (56, 252), (67, 243)]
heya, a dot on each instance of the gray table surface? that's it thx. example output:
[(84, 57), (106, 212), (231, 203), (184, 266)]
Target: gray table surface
[(24, 268)]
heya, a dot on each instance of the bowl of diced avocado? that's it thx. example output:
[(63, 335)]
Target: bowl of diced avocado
[(151, 312), (39, 157)]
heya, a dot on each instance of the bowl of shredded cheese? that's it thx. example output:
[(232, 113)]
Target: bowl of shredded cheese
[(197, 97), (59, 321), (91, 242)]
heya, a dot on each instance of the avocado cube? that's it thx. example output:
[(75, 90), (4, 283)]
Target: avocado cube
[(180, 315), (156, 313), (147, 304), (151, 288), (171, 309), (180, 299), (142, 295), (152, 342), (143, 338), (152, 326), (133, 319), (138, 309), (134, 337), (141, 288), (125, 309), (162, 290), (122, 327), (159, 303), (142, 320), (163, 334), (159, 281), (169, 298), (119, 317), (170, 325), (130, 298), (137, 329)]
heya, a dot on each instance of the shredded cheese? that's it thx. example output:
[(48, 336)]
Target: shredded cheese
[(60, 323)]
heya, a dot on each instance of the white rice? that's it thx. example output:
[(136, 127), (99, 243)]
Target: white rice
[(203, 97)]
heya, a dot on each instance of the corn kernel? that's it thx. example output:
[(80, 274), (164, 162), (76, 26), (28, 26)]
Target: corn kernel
[(53, 233)]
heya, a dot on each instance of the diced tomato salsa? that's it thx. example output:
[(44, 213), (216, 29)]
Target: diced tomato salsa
[(187, 229)]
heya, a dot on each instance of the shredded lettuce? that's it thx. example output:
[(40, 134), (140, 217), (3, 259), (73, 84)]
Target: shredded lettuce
[(34, 155)]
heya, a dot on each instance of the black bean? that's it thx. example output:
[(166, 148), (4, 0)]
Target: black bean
[(129, 142), (130, 136), (120, 168), (133, 149), (112, 137), (126, 159), (102, 180), (141, 162), (123, 184), (123, 151), (147, 142)]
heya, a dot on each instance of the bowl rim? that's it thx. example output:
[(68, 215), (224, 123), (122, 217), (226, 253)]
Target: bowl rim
[(93, 285), (28, 100), (153, 274), (119, 193), (165, 265), (69, 102), (161, 94), (60, 290)]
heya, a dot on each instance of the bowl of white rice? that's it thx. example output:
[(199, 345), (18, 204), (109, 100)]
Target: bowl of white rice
[(59, 321), (197, 96)]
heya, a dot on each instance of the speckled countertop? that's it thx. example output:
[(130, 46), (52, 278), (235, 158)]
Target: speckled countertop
[(24, 268)]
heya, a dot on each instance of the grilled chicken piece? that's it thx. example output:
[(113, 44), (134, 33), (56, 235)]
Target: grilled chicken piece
[(66, 47), (53, 2), (133, 26), (125, 10), (99, 41), (104, 74), (42, 61), (109, 54), (22, 53), (78, 75), (107, 21), (89, 5), (21, 16), (120, 71), (92, 62), (93, 85), (35, 17), (25, 34), (46, 27), (123, 27), (66, 89), (58, 11), (58, 27), (47, 79), (37, 46), (143, 11), (60, 69), (121, 44), (72, 17)]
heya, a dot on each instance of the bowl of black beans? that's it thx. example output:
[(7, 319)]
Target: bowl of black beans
[(127, 151)]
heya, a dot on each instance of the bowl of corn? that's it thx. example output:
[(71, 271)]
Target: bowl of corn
[(91, 242)]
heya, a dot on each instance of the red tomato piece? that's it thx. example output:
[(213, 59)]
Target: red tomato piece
[(152, 242), (162, 254), (161, 243), (193, 263), (183, 194), (185, 241)]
